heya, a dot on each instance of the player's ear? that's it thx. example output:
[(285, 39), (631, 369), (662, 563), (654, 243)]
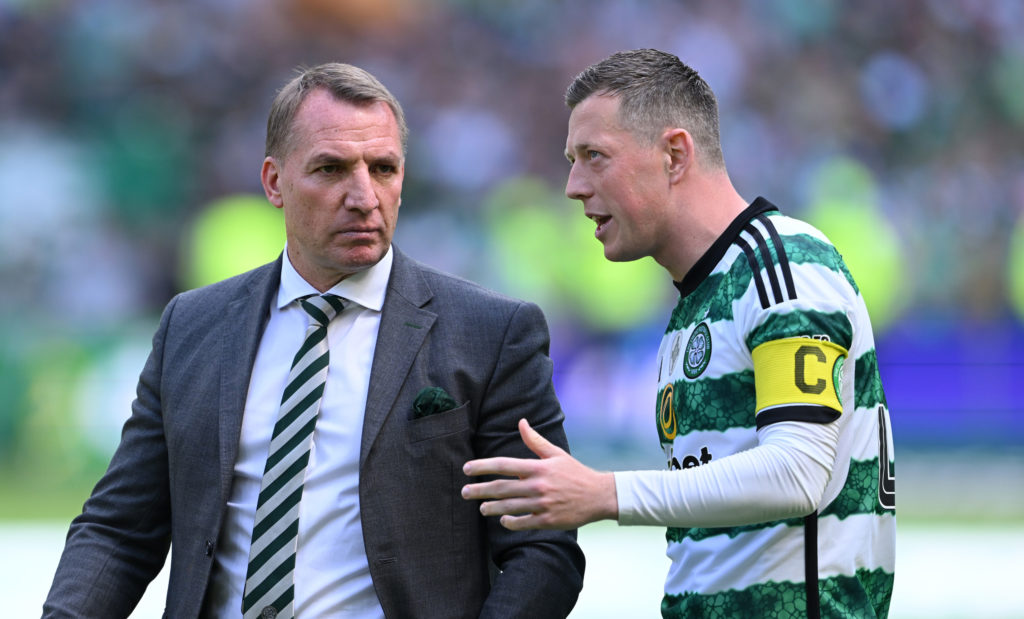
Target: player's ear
[(270, 176), (679, 153)]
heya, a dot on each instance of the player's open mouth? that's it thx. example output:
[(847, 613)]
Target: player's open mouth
[(601, 221)]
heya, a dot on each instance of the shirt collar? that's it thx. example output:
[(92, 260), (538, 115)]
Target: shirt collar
[(366, 288), (702, 269)]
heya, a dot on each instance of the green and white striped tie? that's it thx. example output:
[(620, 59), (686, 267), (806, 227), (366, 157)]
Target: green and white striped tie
[(269, 583)]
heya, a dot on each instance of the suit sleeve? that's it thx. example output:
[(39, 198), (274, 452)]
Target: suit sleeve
[(119, 542), (540, 572)]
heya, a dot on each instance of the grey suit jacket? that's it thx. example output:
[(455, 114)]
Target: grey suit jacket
[(431, 553)]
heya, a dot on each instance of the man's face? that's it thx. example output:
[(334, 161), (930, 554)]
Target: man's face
[(622, 182), (340, 185)]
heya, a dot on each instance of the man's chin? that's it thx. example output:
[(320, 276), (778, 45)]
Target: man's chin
[(612, 254), (616, 255), (356, 259)]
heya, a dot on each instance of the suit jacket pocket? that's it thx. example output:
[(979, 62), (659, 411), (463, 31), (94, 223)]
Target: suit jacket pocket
[(440, 424)]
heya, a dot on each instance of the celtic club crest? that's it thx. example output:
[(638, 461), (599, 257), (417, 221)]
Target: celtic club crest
[(698, 351)]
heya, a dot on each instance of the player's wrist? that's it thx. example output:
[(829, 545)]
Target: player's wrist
[(610, 500)]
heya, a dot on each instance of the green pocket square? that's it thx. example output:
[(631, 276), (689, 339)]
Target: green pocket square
[(430, 401)]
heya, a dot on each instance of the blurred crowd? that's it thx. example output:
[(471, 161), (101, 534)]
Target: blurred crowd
[(122, 121)]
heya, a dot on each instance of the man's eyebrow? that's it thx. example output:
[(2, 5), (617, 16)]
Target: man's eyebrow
[(388, 156), (327, 158)]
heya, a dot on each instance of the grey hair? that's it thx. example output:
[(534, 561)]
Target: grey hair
[(345, 82)]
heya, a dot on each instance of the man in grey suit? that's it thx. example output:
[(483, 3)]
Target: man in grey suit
[(421, 372)]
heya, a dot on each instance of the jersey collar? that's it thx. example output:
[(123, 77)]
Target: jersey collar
[(714, 254)]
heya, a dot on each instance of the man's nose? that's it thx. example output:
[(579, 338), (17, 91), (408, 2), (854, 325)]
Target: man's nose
[(359, 191), (576, 188)]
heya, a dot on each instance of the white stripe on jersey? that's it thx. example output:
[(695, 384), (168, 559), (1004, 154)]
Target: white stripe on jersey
[(721, 563)]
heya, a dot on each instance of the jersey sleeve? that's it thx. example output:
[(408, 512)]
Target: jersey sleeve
[(799, 346), (783, 477)]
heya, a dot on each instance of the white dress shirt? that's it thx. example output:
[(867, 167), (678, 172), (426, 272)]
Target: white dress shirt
[(332, 577)]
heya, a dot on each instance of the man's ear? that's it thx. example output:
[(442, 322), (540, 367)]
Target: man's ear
[(680, 152), (271, 178)]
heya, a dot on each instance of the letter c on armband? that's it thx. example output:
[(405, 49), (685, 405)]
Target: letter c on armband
[(799, 371)]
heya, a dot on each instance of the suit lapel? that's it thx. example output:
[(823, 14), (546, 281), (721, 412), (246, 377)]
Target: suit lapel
[(404, 326), (244, 320)]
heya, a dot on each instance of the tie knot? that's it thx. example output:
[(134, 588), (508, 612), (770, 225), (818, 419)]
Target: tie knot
[(322, 308)]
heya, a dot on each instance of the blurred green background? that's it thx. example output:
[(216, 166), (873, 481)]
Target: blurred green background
[(131, 136)]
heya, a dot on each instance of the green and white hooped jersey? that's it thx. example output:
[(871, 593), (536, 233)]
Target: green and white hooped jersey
[(770, 327)]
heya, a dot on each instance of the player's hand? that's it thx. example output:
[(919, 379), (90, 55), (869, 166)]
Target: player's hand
[(555, 492)]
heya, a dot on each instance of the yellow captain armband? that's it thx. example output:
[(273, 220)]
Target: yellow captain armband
[(799, 371)]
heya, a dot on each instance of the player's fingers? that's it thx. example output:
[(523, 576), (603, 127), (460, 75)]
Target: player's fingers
[(537, 443), (522, 523), (497, 489), (513, 467), (506, 507)]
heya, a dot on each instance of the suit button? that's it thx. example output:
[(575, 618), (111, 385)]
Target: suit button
[(209, 548), (268, 613)]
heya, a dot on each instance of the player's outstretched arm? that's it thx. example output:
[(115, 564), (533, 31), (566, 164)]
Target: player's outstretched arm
[(555, 491)]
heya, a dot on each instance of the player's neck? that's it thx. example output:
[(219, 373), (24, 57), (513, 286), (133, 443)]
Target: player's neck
[(706, 208)]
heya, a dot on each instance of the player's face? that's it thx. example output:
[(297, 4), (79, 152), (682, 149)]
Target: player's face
[(340, 185), (622, 182)]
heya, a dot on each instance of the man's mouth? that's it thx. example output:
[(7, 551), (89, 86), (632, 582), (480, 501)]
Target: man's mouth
[(358, 231), (601, 221)]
